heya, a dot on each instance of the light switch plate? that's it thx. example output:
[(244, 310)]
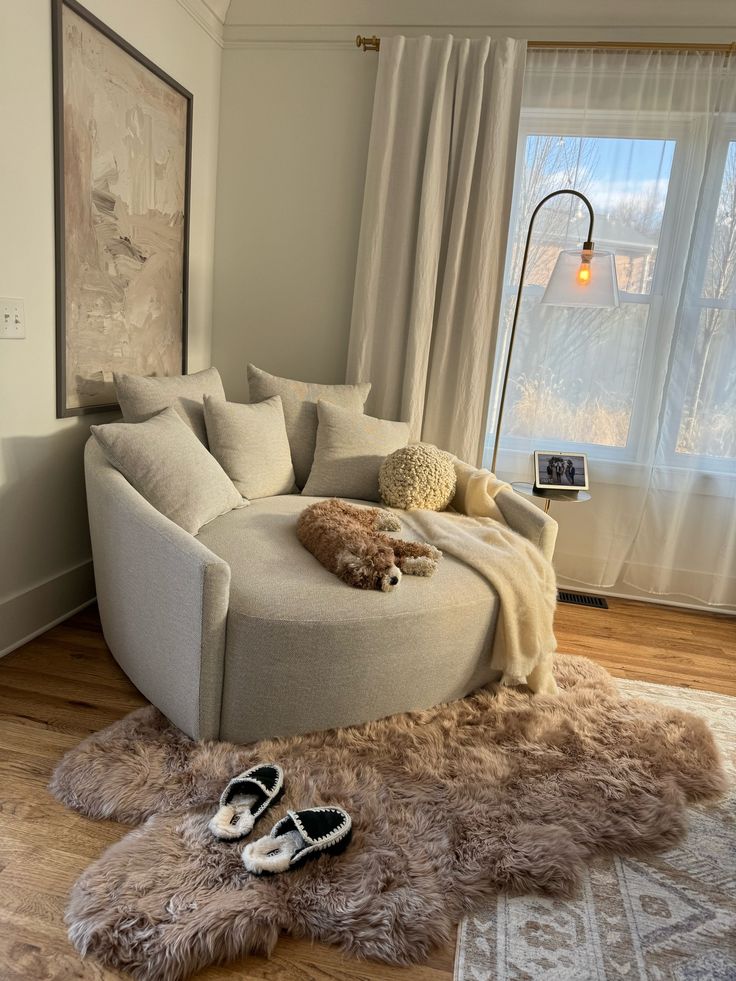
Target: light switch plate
[(12, 318)]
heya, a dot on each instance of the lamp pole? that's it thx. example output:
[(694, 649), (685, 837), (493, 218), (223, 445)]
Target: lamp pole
[(587, 247)]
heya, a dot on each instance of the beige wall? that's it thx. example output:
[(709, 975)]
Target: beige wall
[(293, 146), (45, 568)]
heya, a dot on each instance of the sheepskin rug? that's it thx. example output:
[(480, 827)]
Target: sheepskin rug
[(499, 791)]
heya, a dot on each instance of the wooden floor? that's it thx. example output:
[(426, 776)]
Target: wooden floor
[(64, 685)]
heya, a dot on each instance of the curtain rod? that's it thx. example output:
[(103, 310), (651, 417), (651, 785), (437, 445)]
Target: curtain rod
[(374, 44)]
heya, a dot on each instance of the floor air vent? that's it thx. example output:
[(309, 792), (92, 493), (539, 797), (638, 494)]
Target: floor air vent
[(581, 599)]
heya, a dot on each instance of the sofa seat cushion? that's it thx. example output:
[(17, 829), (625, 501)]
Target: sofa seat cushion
[(349, 655)]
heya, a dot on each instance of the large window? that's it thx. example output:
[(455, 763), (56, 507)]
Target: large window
[(592, 379)]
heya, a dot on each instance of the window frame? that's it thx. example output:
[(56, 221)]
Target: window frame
[(688, 131)]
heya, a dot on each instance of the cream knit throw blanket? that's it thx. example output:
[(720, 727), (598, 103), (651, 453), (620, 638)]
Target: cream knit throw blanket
[(524, 642)]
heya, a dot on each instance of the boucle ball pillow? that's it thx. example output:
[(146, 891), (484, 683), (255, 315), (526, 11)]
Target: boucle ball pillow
[(417, 476)]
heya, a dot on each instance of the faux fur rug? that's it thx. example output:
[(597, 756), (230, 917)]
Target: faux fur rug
[(498, 792)]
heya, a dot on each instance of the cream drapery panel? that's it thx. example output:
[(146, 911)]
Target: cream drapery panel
[(433, 233)]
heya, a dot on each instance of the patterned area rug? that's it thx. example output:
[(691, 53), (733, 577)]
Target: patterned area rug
[(671, 916)]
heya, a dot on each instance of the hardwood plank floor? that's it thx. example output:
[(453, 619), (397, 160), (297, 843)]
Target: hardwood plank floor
[(647, 642), (64, 685)]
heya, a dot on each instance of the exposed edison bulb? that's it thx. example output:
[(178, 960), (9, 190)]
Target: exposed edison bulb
[(584, 273)]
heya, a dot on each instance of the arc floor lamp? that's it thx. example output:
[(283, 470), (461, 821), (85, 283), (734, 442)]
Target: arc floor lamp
[(583, 277)]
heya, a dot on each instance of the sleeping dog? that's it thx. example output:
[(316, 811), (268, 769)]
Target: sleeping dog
[(350, 541)]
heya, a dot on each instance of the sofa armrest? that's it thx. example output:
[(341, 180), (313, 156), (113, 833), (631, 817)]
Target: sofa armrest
[(528, 520), (163, 599), (482, 494)]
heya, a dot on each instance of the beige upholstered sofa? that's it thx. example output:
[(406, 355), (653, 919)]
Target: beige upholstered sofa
[(239, 634)]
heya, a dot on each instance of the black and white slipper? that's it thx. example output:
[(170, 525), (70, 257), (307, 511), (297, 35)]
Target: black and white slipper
[(299, 836), (245, 799)]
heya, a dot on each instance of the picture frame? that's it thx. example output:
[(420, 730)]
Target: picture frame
[(122, 183), (559, 471)]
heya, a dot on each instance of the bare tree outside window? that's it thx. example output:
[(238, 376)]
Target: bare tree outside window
[(574, 372)]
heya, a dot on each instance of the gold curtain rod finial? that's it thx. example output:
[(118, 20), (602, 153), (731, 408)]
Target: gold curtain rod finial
[(368, 43)]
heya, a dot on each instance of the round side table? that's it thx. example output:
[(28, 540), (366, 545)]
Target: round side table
[(529, 490)]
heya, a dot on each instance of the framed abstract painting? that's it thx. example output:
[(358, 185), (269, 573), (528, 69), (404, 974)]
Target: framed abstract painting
[(122, 154)]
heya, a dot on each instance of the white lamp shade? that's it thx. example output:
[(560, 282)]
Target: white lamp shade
[(565, 288)]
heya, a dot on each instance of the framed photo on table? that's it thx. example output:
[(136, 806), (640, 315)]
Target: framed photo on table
[(560, 471), (122, 165)]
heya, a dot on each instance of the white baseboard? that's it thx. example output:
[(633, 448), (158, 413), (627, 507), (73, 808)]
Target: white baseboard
[(31, 613)]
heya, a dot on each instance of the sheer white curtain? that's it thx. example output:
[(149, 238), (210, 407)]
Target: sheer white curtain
[(648, 390), (433, 233)]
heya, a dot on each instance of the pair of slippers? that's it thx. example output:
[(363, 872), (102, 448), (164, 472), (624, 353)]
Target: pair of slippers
[(292, 840)]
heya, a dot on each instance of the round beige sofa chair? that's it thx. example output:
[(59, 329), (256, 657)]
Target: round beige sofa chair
[(240, 634)]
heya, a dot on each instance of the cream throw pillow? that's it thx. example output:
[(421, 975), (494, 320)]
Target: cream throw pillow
[(350, 450), (141, 397), (300, 410), (167, 464), (251, 445)]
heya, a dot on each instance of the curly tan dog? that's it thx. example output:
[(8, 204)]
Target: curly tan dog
[(349, 541)]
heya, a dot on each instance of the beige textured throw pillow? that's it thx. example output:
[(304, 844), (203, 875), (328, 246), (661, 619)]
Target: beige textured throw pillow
[(167, 464), (300, 410), (350, 450), (141, 397), (251, 445)]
